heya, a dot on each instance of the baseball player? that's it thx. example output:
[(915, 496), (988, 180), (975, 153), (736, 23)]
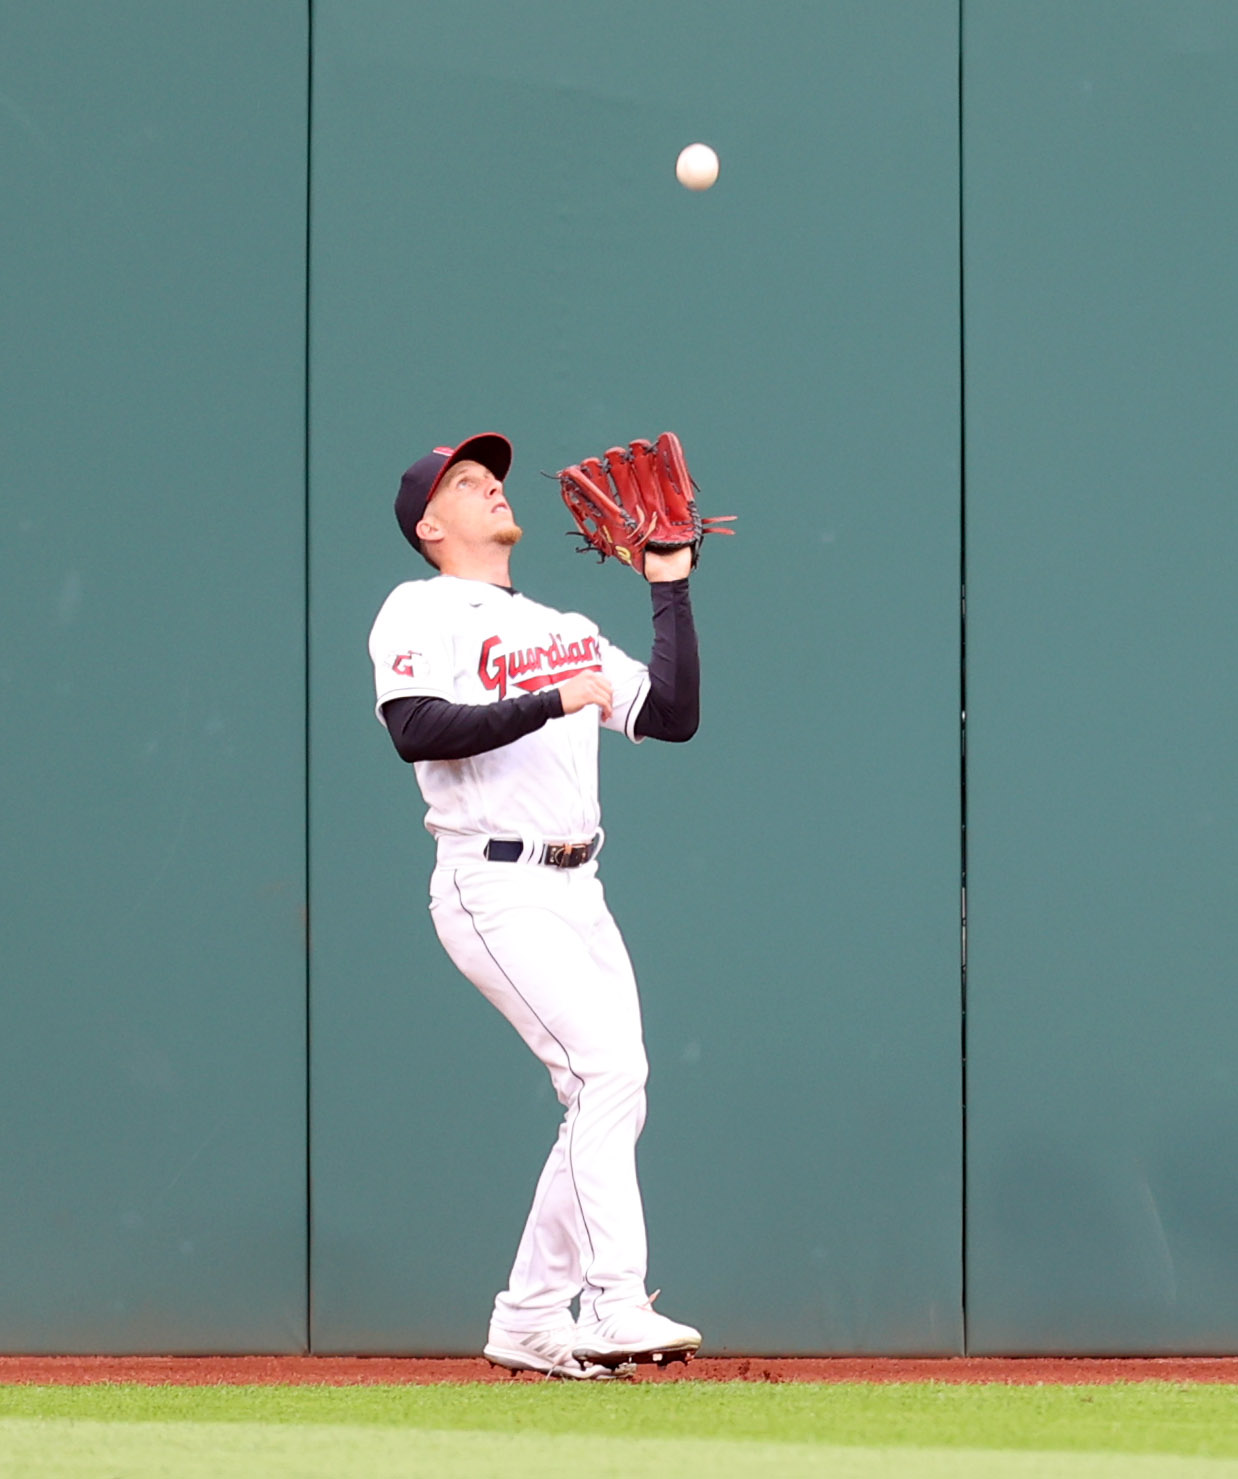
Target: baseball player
[(497, 701)]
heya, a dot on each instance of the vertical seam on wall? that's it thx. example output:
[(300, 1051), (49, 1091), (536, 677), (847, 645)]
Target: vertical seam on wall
[(962, 703), (309, 119)]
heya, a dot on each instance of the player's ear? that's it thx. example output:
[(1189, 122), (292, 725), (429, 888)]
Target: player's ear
[(428, 530)]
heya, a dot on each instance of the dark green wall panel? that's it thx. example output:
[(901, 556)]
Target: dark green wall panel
[(152, 1020), (498, 240), (1101, 217)]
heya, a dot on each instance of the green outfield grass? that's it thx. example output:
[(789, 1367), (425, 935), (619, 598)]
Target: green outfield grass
[(735, 1430)]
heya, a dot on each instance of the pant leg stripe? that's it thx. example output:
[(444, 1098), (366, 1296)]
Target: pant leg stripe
[(567, 1058)]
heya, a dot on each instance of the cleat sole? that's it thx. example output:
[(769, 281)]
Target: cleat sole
[(618, 1359)]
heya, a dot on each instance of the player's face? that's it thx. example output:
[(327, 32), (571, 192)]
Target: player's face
[(470, 508)]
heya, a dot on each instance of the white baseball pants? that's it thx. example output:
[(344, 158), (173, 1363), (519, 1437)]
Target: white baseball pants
[(540, 944)]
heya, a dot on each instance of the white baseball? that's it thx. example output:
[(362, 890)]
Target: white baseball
[(697, 167)]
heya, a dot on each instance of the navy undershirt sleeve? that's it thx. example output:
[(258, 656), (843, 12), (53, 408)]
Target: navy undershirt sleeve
[(672, 708), (434, 729)]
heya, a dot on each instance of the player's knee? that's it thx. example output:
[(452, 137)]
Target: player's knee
[(626, 1074), (617, 1077)]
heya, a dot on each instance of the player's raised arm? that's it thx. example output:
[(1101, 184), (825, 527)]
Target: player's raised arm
[(637, 504), (672, 707)]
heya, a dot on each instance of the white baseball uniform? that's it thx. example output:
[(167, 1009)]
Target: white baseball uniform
[(537, 941)]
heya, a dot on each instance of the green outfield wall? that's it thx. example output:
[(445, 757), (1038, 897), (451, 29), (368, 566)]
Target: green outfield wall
[(499, 239), (1101, 215), (152, 808), (961, 303)]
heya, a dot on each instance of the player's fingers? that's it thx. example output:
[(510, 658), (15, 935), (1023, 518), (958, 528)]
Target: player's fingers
[(595, 689), (587, 688)]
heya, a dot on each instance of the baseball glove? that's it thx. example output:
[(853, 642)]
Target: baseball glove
[(637, 498)]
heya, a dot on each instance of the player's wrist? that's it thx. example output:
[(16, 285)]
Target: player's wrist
[(660, 569)]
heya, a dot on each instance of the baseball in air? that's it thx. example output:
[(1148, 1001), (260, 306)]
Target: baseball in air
[(697, 167)]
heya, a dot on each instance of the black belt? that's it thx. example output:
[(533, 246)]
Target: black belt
[(553, 854)]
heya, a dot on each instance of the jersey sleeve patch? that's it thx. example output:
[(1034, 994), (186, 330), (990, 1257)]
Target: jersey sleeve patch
[(409, 648)]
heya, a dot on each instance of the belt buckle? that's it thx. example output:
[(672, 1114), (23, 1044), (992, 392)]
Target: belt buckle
[(567, 854)]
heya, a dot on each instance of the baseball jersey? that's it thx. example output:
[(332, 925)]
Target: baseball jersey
[(470, 642)]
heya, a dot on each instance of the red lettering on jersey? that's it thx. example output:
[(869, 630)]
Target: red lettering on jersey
[(495, 677), (403, 664), (544, 680), (532, 668)]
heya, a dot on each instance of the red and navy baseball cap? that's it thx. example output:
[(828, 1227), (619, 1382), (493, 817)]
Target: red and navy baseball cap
[(418, 484)]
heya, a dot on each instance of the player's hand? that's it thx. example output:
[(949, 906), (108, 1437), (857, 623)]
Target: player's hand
[(673, 566), (587, 688)]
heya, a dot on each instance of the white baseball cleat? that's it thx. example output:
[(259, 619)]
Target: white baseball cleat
[(637, 1333), (547, 1351)]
